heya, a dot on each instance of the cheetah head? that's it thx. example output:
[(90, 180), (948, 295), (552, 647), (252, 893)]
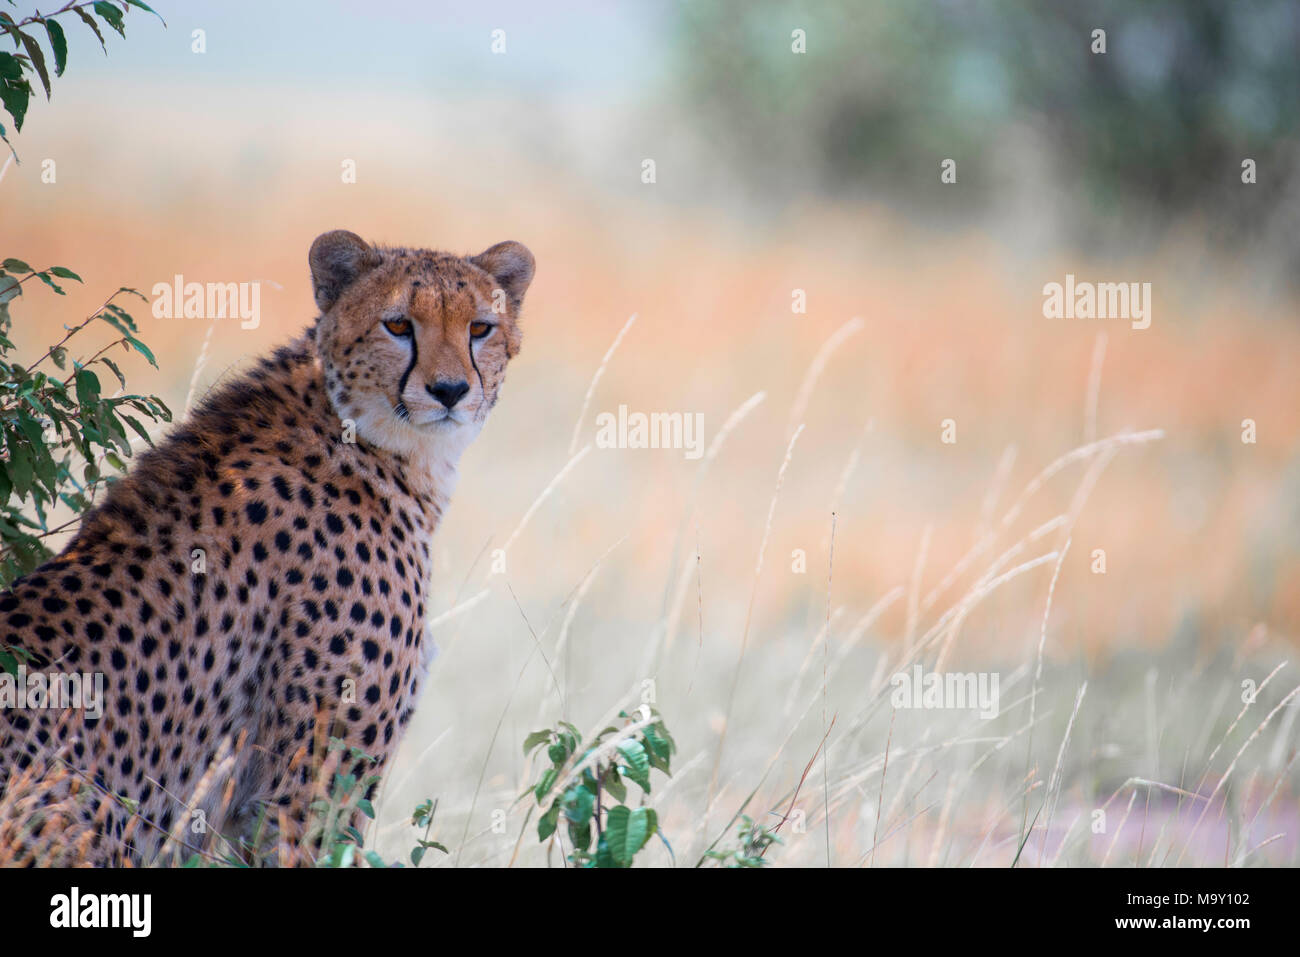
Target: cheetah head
[(414, 343)]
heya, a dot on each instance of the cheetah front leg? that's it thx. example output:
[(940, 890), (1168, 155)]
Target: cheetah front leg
[(321, 757)]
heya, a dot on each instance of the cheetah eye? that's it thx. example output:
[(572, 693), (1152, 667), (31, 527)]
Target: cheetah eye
[(398, 327), (479, 330)]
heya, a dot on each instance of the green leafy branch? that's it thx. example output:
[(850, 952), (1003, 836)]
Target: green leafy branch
[(15, 87), (751, 843), (340, 840), (424, 813), (56, 429), (592, 787)]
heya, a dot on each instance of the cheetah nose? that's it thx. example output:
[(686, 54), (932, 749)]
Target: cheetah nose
[(448, 393)]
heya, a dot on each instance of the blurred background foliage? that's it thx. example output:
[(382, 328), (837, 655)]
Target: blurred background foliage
[(1154, 131)]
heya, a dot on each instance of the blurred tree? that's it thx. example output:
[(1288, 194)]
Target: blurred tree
[(1157, 125)]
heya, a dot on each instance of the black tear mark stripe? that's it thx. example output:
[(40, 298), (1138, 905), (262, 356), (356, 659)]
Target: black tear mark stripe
[(474, 362), (415, 357)]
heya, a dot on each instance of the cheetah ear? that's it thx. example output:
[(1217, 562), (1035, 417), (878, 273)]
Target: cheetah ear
[(511, 265), (337, 258)]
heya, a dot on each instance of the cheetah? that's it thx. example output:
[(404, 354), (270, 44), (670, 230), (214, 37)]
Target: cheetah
[(268, 561)]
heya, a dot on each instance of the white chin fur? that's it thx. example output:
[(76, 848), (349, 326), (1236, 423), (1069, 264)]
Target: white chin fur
[(433, 450)]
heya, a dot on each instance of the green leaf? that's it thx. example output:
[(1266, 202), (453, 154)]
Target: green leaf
[(119, 320), (661, 741), (547, 822), (603, 857), (45, 278), (141, 348), (638, 764), (614, 785), (59, 44), (90, 22), (580, 835), (111, 15), (124, 317), (660, 747), (116, 371), (15, 91), (38, 59), (422, 812), (15, 265), (557, 753), (63, 272), (627, 830), (87, 387), (545, 784), (140, 429), (43, 463), (20, 468), (579, 803), (534, 739), (145, 6), (7, 24)]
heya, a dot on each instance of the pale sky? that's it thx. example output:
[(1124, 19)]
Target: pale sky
[(561, 46)]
